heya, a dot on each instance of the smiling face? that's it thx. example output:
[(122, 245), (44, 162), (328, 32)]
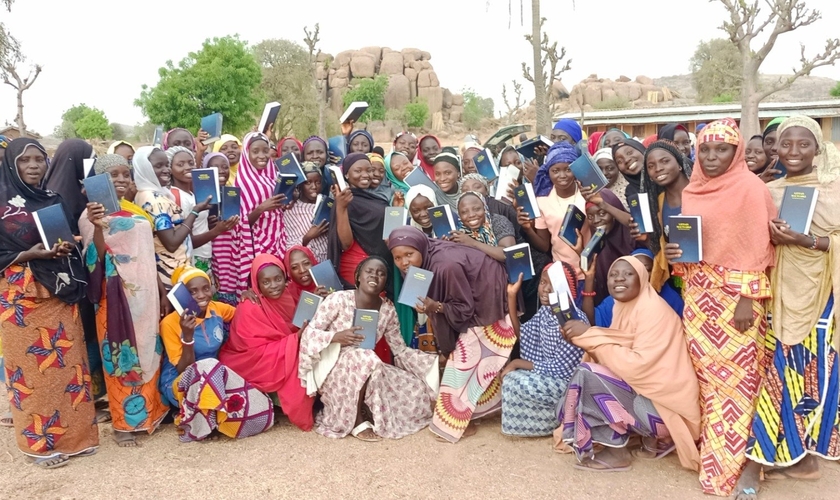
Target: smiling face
[(754, 154), (223, 168), (232, 150), (419, 211), (400, 167), (259, 154), (544, 288), (662, 167), (300, 264), (511, 157), (629, 160), (770, 149), (378, 173), (683, 142), (272, 282), (121, 177), (446, 177), (181, 138), (562, 178), (429, 149), (471, 211), (609, 169), (290, 146), (202, 292), (182, 167), (406, 145), (32, 166), (623, 281), (160, 164), (311, 188), (360, 174), (125, 151), (474, 185), (405, 257), (715, 157), (599, 218), (612, 137), (372, 277), (797, 149), (360, 144), (315, 152)]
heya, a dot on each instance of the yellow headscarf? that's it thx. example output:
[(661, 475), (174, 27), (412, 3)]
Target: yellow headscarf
[(116, 144), (185, 274), (234, 166)]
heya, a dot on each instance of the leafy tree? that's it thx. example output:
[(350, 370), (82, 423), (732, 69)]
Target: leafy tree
[(70, 121), (223, 77), (118, 132), (476, 108), (716, 69), (371, 91), (93, 125), (416, 113), (835, 92)]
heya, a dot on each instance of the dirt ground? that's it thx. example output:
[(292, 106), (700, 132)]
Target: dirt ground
[(287, 463)]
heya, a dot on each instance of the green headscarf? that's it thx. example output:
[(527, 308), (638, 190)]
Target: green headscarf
[(397, 185)]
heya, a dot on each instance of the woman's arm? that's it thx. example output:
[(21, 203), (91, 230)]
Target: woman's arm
[(188, 325), (174, 237), (345, 232)]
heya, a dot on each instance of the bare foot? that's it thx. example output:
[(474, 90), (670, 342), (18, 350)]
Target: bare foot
[(807, 469), (748, 486), (471, 429), (214, 436), (368, 436), (125, 439)]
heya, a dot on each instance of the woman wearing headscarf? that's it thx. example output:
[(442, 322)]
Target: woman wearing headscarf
[(467, 305), (397, 168), (379, 183), (316, 150), (288, 145), (617, 241), (629, 157), (797, 414), (406, 143), (725, 295), (636, 377), (124, 285), (45, 354), (613, 136), (299, 260), (360, 141), (262, 348), (418, 200), (447, 170), (615, 181), (566, 130), (179, 137), (594, 141), (770, 135), (298, 218), (122, 148), (677, 134), (478, 228), (231, 147), (427, 149)]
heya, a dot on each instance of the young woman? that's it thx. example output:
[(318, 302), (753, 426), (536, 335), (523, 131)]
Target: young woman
[(470, 151), (397, 168), (220, 163), (298, 218), (191, 370), (379, 183), (419, 199), (770, 135), (617, 241), (725, 321), (362, 395), (613, 136), (124, 285), (406, 143), (796, 419), (231, 147), (122, 148), (288, 145), (533, 384), (447, 171), (478, 228), (629, 156), (757, 159), (678, 135), (316, 150), (359, 141), (262, 348), (427, 150), (299, 260), (179, 137), (615, 181), (566, 130), (637, 379), (468, 308), (46, 364)]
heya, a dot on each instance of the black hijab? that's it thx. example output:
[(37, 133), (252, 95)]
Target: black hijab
[(66, 172), (634, 182), (64, 278)]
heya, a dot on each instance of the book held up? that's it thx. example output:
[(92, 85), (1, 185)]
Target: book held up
[(269, 116), (289, 164), (353, 112), (525, 198), (395, 217), (285, 185), (323, 209), (640, 211), (53, 226), (182, 300), (593, 247), (485, 164), (231, 202), (416, 286), (306, 308), (527, 148), (443, 220), (100, 189), (588, 173), (212, 124), (518, 261), (687, 231), (323, 274), (798, 205), (368, 320), (573, 220), (206, 184)]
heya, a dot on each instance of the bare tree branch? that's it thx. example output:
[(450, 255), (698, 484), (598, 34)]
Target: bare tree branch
[(828, 57)]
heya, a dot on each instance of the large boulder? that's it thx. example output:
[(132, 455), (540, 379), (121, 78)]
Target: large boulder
[(644, 80), (634, 91), (425, 56), (337, 100), (392, 64), (410, 55), (608, 94), (411, 74), (376, 52), (362, 65), (447, 99), (323, 56), (592, 93), (398, 93), (623, 79), (433, 97), (343, 58), (321, 72), (425, 78), (337, 81), (456, 112), (458, 100)]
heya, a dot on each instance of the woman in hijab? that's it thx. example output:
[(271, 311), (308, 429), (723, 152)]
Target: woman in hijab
[(797, 413), (427, 149), (566, 130), (288, 145), (406, 143), (677, 134), (757, 160), (360, 141), (467, 305), (725, 294), (613, 136), (298, 218), (231, 147), (262, 348), (122, 148), (478, 228), (46, 362), (316, 150), (594, 141), (299, 260), (617, 241), (447, 170), (418, 200), (615, 181), (179, 137), (379, 183), (397, 168), (629, 156), (770, 135), (125, 287), (636, 377)]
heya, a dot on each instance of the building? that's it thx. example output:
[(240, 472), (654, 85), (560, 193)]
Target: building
[(643, 122), (12, 133)]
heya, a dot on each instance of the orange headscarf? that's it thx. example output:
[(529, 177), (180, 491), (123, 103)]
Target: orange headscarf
[(736, 207), (644, 345)]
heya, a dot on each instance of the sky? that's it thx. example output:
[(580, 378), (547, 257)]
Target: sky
[(96, 54)]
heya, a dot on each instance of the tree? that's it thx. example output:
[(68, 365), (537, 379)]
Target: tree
[(371, 91), (83, 122), (745, 23), (287, 78), (716, 69), (476, 108), (11, 77), (835, 92), (8, 45), (223, 77), (319, 86), (512, 110)]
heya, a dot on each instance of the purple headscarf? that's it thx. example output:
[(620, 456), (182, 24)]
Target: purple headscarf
[(560, 152), (350, 159), (357, 133), (209, 156)]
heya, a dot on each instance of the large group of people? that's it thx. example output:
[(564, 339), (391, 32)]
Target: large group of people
[(731, 362)]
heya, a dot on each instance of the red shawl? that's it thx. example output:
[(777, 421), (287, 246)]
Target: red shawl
[(429, 168), (263, 350), (290, 298)]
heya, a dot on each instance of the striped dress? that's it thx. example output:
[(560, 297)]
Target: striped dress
[(298, 220)]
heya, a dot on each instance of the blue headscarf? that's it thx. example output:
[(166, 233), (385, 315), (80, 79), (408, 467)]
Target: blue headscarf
[(560, 152), (571, 127)]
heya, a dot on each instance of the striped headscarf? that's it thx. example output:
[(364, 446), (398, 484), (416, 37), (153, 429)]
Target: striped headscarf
[(724, 130), (484, 233)]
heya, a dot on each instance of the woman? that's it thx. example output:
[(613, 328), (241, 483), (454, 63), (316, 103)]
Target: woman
[(379, 183), (46, 364), (796, 421), (419, 199), (478, 228), (757, 159), (729, 288), (316, 150), (288, 145), (678, 135), (262, 348), (210, 397), (478, 184), (613, 136), (359, 141), (617, 241), (179, 137), (172, 229), (231, 147), (629, 156), (221, 164), (124, 285), (770, 135), (122, 148), (636, 378), (298, 218), (353, 381), (470, 149), (427, 150), (406, 143), (533, 384), (615, 181), (299, 260), (468, 310), (397, 168), (566, 130), (447, 171)]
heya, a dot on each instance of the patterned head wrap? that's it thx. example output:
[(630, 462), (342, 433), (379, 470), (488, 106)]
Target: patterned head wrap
[(185, 274), (171, 152), (310, 167), (484, 232), (724, 130), (474, 177), (376, 158), (827, 161), (104, 162)]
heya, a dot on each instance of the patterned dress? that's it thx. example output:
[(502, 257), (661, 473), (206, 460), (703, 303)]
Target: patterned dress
[(298, 223), (400, 397), (167, 215)]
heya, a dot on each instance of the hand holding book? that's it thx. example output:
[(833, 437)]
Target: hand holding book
[(573, 329), (782, 234), (96, 215), (348, 337), (672, 252)]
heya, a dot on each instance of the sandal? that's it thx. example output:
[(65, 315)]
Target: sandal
[(658, 453), (606, 467), (7, 420), (103, 416), (53, 462), (364, 426)]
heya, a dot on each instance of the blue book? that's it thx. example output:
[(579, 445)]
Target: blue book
[(289, 164), (231, 202), (353, 112), (526, 149), (53, 226), (563, 307), (518, 261), (574, 219), (395, 217), (418, 177), (205, 183), (593, 247), (687, 231), (269, 116), (323, 274), (323, 209), (212, 124), (306, 308), (368, 319), (640, 211), (100, 189), (798, 204), (443, 221), (781, 168), (526, 198), (415, 286), (182, 300), (485, 164), (285, 185), (337, 146), (588, 173)]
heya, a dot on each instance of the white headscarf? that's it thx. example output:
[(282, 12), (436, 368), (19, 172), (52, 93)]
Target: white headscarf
[(144, 173), (414, 192)]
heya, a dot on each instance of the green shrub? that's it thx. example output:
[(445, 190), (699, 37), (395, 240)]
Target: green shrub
[(371, 91), (835, 92), (476, 108), (416, 113), (612, 103), (722, 98)]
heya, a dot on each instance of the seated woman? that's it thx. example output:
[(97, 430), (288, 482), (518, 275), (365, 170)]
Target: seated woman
[(636, 378), (419, 199), (191, 370), (299, 228), (297, 263), (616, 241), (478, 228), (262, 348), (352, 381), (533, 384), (467, 305)]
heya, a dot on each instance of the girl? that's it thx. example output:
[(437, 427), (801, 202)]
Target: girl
[(288, 145), (629, 156), (316, 150), (427, 150), (447, 171), (397, 168), (360, 141), (406, 143), (480, 229), (615, 181), (231, 147), (298, 218), (617, 241)]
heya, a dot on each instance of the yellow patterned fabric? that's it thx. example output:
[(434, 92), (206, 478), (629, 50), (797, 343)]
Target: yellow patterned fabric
[(729, 366)]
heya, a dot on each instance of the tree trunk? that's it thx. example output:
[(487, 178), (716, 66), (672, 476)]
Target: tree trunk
[(20, 123), (543, 116), (749, 100)]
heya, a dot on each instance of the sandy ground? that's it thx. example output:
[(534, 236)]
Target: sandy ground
[(287, 463)]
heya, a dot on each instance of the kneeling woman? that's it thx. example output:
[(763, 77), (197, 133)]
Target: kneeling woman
[(354, 381), (637, 377), (467, 306), (210, 396), (262, 348)]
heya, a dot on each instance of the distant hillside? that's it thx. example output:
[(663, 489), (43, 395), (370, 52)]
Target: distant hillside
[(807, 88)]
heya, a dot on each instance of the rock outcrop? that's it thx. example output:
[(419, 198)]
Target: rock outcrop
[(594, 92)]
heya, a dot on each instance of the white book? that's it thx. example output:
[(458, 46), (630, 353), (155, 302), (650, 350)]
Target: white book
[(338, 176), (354, 111), (507, 176), (271, 109)]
